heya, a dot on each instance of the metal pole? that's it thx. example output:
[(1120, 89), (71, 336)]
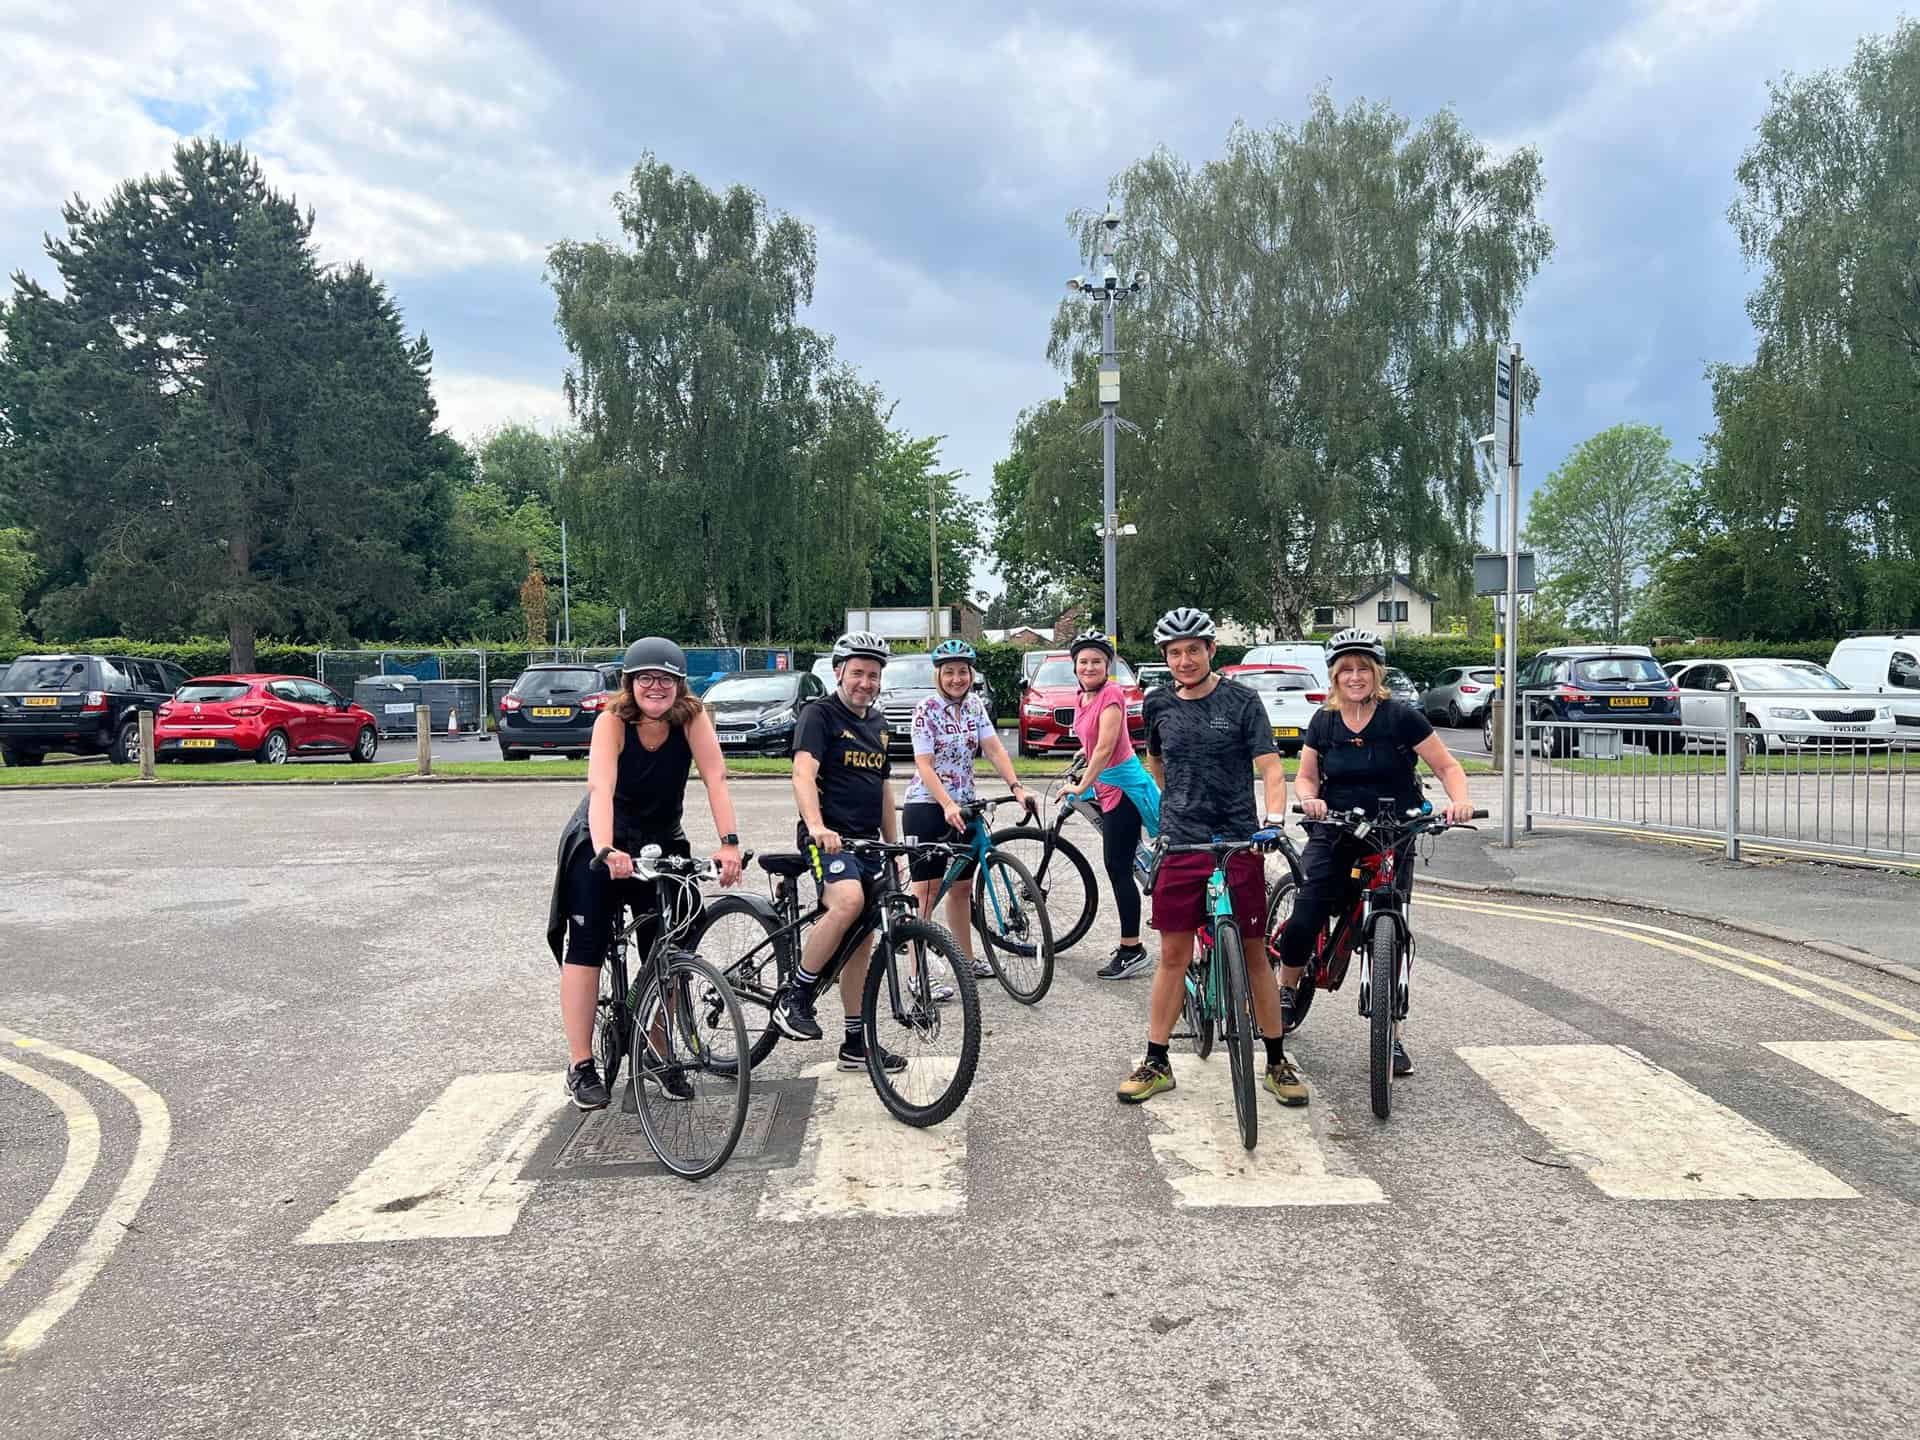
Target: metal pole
[(1508, 682), (566, 591), (933, 546), (1733, 775), (1109, 419)]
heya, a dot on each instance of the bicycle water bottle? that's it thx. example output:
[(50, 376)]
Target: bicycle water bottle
[(1143, 863)]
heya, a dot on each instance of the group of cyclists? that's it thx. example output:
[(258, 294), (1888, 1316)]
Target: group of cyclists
[(1206, 735)]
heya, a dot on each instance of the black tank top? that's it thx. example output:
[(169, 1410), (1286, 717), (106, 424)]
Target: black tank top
[(650, 792)]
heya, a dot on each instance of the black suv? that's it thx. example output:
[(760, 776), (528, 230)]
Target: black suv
[(1622, 685), (551, 709), (80, 705)]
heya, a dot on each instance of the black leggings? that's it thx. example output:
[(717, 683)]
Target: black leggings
[(1119, 838), (1327, 888)]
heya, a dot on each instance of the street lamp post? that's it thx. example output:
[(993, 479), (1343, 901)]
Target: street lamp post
[(1108, 294)]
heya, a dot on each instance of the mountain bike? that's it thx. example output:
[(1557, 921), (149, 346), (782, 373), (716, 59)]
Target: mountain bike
[(755, 944), (1058, 867), (1218, 993), (1377, 927), (678, 1023), (1009, 908)]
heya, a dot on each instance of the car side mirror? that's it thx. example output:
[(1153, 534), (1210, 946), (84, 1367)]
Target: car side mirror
[(1724, 685)]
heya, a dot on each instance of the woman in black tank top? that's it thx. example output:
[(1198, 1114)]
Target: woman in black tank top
[(645, 744)]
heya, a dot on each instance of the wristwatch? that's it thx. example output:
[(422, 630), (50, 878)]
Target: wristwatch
[(729, 839)]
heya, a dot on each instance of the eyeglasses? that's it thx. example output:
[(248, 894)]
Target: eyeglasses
[(651, 680)]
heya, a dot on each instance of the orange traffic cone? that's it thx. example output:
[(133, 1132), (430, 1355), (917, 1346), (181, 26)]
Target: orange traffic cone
[(453, 724)]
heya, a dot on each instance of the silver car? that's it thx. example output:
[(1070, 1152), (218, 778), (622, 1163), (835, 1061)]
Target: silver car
[(1458, 696)]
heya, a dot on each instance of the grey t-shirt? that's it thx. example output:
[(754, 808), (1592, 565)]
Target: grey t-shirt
[(1207, 748)]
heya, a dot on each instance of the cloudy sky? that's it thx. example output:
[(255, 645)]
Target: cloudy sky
[(936, 157)]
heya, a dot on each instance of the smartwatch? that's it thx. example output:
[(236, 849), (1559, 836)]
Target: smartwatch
[(729, 839)]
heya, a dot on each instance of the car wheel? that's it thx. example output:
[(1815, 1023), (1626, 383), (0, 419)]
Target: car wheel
[(1486, 732), (274, 750), (367, 745), (506, 754), (1454, 721), (1753, 740), (25, 758), (126, 745), (1559, 743)]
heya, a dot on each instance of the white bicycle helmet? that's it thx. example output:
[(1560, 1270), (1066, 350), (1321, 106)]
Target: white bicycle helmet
[(1183, 623), (862, 643), (1355, 642)]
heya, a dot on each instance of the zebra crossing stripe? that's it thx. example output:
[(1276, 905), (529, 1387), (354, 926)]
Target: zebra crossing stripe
[(455, 1172), (1640, 1132), (858, 1160), (1196, 1141), (1887, 1072)]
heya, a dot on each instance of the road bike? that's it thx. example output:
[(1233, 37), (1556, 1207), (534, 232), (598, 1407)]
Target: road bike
[(1057, 865), (677, 1022), (755, 944), (1377, 927), (1218, 995), (1009, 908)]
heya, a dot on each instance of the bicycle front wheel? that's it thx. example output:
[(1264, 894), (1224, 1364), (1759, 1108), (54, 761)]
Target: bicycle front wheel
[(732, 936), (1236, 1028), (1199, 1014), (1280, 901), (939, 1043), (1380, 981), (688, 1083), (1017, 933), (1067, 880)]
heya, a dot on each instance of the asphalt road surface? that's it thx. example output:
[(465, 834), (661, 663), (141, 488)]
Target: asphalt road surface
[(282, 1153)]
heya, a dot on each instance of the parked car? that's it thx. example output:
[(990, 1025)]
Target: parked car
[(1617, 683), (822, 670), (1309, 654), (551, 710), (1793, 720), (268, 718), (1047, 705), (1884, 665), (1458, 695), (1152, 677), (905, 681), (755, 714), (1674, 667), (1291, 695), (1401, 686), (80, 705)]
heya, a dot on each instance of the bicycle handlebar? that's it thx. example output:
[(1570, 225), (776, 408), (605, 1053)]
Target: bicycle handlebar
[(1412, 822), (650, 864), (1224, 850)]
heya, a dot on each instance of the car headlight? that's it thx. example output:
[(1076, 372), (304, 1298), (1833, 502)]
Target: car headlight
[(1883, 713), (778, 720), (1786, 712), (1038, 712), (1136, 707)]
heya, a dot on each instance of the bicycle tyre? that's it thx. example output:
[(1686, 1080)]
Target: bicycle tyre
[(754, 976), (610, 1021), (1199, 1016), (920, 940), (1020, 945), (1380, 983), (692, 1137), (1237, 1030), (1280, 897), (1072, 897)]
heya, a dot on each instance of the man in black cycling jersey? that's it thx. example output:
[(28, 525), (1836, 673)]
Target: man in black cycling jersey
[(841, 784)]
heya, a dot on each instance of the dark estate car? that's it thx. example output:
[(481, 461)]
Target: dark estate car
[(551, 710), (904, 683), (80, 705), (754, 714), (1620, 684)]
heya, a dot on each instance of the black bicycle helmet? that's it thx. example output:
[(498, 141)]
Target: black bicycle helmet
[(1091, 640), (654, 653), (1183, 623), (1355, 641), (863, 643)]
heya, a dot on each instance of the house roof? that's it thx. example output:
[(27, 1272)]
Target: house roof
[(1373, 585)]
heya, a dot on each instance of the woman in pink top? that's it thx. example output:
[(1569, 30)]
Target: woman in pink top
[(1100, 722)]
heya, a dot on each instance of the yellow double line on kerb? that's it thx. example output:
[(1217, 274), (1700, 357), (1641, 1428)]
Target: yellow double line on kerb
[(1758, 968)]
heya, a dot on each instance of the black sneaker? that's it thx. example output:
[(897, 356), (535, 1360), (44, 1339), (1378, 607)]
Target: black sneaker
[(853, 1056), (1124, 964), (674, 1082), (1289, 1025), (588, 1090), (794, 1014), (1402, 1062)]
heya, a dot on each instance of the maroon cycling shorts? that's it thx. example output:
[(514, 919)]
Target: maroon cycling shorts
[(1180, 892)]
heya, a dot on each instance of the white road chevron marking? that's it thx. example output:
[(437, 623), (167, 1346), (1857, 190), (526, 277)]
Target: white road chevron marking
[(858, 1160), (1887, 1072)]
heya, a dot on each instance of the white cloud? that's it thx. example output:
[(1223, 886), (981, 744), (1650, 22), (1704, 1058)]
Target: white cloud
[(470, 404)]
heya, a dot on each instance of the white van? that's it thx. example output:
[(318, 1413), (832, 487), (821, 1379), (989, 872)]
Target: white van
[(1886, 665)]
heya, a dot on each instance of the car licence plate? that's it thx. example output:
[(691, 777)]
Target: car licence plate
[(1849, 729), (1624, 702), (42, 702), (1286, 732), (732, 737), (552, 712), (198, 744)]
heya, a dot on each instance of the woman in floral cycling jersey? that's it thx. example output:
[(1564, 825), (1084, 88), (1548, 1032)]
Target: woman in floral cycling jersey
[(951, 729)]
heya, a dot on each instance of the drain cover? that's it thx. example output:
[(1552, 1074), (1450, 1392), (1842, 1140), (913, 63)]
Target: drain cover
[(610, 1142)]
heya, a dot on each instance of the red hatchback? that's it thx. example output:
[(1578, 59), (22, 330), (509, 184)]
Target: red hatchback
[(273, 718), (1046, 705)]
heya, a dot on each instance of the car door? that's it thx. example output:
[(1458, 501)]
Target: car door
[(296, 713), (332, 725), (1703, 704)]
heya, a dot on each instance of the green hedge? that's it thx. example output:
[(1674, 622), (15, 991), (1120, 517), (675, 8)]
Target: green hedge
[(199, 656)]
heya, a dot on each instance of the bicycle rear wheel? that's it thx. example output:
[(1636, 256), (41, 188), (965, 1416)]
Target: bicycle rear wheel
[(1380, 983), (731, 935), (1237, 1029), (940, 1043), (1011, 915), (1067, 882), (612, 1018), (688, 1083)]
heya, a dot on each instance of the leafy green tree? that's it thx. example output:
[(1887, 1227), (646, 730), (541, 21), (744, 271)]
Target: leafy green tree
[(1307, 364), (16, 579), (206, 429), (1601, 518), (901, 565)]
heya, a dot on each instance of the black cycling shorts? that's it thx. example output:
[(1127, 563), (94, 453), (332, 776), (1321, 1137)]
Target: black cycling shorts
[(923, 820), (596, 902)]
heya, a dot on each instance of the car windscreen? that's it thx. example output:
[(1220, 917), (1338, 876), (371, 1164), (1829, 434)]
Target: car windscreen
[(212, 691), (1619, 670), (541, 684), (1060, 672), (1277, 680), (29, 674), (909, 672), (759, 689), (1784, 677)]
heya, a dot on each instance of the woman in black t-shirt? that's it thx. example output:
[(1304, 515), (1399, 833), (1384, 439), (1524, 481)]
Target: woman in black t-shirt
[(1360, 750)]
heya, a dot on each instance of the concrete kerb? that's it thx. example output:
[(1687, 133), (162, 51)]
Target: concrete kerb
[(1520, 888), (516, 779)]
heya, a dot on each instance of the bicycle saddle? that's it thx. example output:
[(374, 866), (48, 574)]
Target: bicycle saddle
[(790, 865)]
